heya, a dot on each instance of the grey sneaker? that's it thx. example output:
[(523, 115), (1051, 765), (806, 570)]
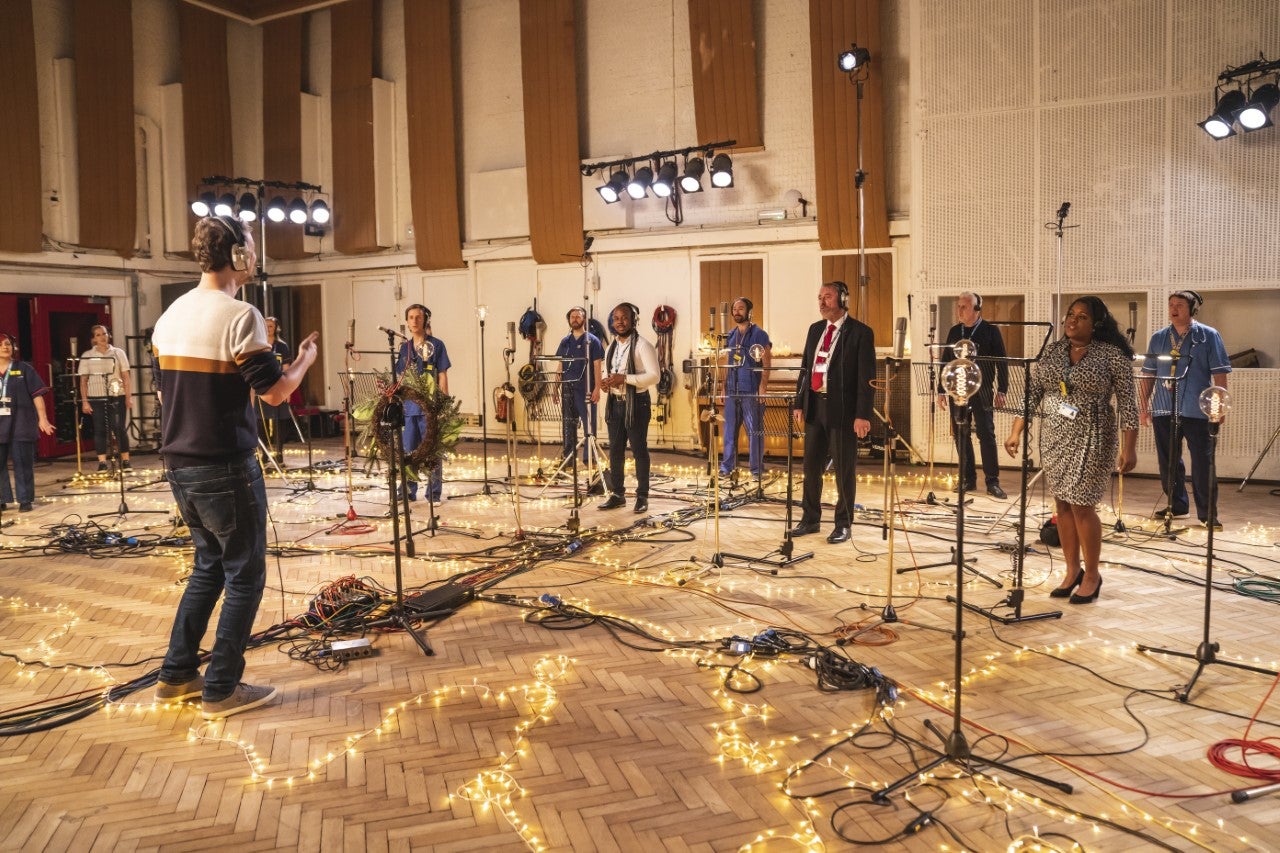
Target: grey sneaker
[(245, 697), (179, 692)]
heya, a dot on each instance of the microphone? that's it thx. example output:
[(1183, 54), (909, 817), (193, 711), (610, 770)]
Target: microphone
[(933, 317), (899, 337), (711, 323), (351, 333), (724, 318), (392, 332), (1132, 331), (1062, 211), (75, 347), (511, 335)]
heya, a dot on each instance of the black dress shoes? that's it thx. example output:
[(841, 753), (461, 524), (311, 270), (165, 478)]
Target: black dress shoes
[(642, 505), (1077, 598), (614, 502), (804, 528), (996, 492), (840, 534), (1066, 591)]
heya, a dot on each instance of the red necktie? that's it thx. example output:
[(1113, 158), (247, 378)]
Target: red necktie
[(816, 381)]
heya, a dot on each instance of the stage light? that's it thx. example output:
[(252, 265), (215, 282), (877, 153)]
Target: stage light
[(961, 379), (1215, 402), (1256, 114), (203, 205), (319, 211), (854, 58), (691, 180), (248, 207), (665, 184), (612, 191), (1218, 125), (225, 206), (638, 187), (275, 209), (721, 171), (297, 211)]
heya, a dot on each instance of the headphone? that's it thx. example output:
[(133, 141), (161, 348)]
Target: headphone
[(1193, 299), (426, 313), (568, 314), (635, 312), (977, 302), (239, 252), (750, 306), (842, 292)]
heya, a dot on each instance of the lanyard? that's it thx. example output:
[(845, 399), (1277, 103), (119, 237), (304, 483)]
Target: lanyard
[(4, 383)]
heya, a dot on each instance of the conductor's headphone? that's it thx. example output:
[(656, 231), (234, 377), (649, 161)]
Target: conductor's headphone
[(1194, 300), (747, 302), (842, 292), (239, 251)]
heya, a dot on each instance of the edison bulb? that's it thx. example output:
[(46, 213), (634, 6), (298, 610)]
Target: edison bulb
[(961, 379), (965, 348), (1215, 402)]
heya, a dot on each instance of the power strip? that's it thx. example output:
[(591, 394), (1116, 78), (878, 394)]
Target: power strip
[(344, 650)]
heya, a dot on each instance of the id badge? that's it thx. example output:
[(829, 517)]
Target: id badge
[(1067, 410), (821, 370), (5, 411)]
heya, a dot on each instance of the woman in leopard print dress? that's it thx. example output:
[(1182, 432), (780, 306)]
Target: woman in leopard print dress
[(1080, 432)]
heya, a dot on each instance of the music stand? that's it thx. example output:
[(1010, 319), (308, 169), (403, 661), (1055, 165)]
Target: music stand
[(110, 401)]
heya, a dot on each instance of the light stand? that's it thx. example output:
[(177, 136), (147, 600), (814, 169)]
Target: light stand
[(1215, 402), (1265, 450), (856, 61), (481, 311), (961, 378), (1058, 228)]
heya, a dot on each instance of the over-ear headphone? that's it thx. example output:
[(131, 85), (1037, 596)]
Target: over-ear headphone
[(239, 252), (426, 313), (977, 302), (747, 302), (568, 314), (1194, 300), (635, 312), (842, 292)]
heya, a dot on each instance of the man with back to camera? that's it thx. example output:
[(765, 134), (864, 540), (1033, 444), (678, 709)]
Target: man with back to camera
[(210, 350), (834, 401), (578, 391), (744, 382), (633, 368), (1198, 359), (995, 377), (422, 353)]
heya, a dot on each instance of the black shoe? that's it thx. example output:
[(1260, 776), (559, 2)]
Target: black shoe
[(1077, 598), (840, 534), (1217, 525), (642, 505), (614, 502), (26, 507), (968, 487), (996, 492), (125, 466), (1066, 591), (1177, 513), (102, 466), (804, 528)]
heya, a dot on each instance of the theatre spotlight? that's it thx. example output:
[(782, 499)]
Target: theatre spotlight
[(638, 187), (226, 205), (203, 205), (275, 209), (1218, 125), (691, 180), (248, 207), (297, 211), (1256, 114), (665, 184), (612, 191), (854, 58), (319, 212), (721, 171)]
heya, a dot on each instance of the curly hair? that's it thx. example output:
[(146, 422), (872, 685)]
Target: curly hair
[(212, 241), (1105, 327)]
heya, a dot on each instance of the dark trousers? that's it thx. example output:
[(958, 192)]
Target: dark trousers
[(1196, 432), (23, 454), (108, 413), (573, 408), (841, 445), (225, 508), (983, 422), (620, 435)]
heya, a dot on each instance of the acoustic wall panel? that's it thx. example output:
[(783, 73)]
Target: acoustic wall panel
[(282, 48), (977, 55), (1208, 35), (1096, 48), (20, 193), (726, 97)]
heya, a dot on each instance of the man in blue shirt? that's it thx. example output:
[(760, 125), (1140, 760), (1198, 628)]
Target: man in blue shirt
[(579, 389), (1198, 359), (422, 353), (749, 357)]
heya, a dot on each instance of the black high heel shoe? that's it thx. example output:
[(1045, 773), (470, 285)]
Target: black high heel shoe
[(1087, 599), (1066, 591)]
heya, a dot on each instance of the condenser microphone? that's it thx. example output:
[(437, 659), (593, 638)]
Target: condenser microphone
[(724, 318), (511, 335), (933, 317), (899, 337), (1132, 331), (351, 333), (1062, 211), (392, 332), (711, 319), (75, 347)]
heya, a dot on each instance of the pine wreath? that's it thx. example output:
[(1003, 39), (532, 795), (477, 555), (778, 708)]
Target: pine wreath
[(443, 422)]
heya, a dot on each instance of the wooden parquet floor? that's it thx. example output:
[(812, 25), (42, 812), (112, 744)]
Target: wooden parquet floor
[(574, 735)]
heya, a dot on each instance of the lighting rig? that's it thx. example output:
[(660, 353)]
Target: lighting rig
[(660, 174), (1244, 96), (247, 199)]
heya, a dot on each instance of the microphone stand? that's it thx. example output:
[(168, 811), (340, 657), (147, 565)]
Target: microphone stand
[(116, 456), (484, 409)]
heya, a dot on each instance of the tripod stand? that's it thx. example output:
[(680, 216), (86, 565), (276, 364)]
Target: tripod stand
[(1207, 652), (1265, 450), (955, 746), (123, 510)]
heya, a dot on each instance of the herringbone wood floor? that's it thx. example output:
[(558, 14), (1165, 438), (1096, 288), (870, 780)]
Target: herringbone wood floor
[(627, 749)]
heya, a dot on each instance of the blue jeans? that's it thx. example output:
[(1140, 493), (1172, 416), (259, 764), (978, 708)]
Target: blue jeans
[(415, 427), (1196, 432), (748, 410), (23, 454), (573, 408), (225, 507)]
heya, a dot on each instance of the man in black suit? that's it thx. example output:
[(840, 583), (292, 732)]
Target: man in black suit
[(834, 402)]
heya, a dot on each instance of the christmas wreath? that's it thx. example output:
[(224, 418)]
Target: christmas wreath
[(378, 418)]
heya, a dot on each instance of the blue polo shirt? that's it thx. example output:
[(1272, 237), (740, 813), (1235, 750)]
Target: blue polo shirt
[(21, 384), (587, 349), (1201, 355), (744, 374), (409, 359)]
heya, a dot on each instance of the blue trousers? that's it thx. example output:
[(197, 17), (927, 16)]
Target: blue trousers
[(23, 454), (415, 428), (225, 507), (748, 410), (1196, 432), (573, 408)]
